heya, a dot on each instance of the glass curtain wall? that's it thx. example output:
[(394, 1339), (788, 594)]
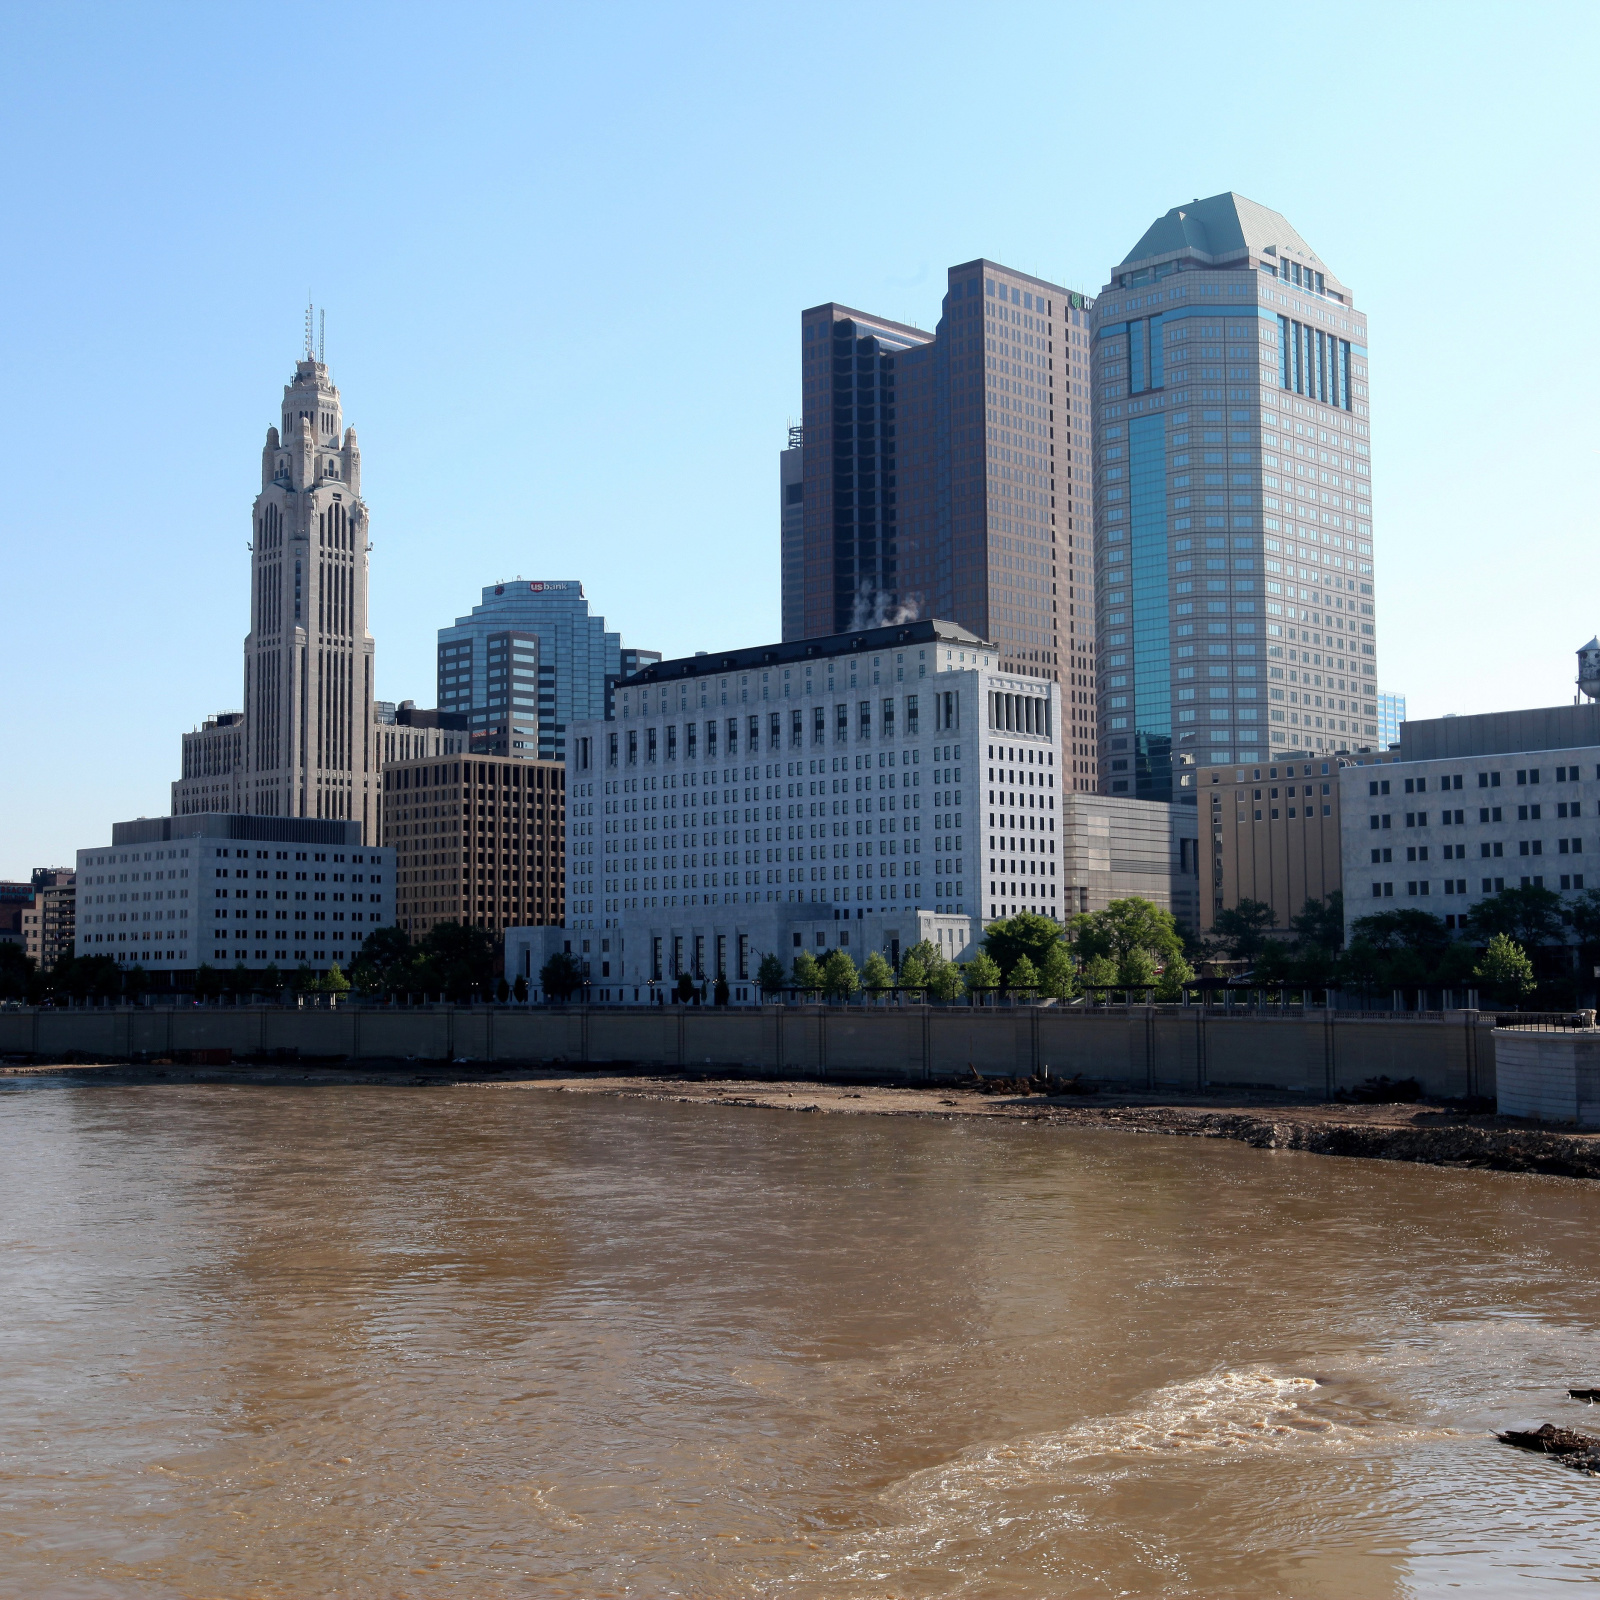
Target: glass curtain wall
[(1152, 660)]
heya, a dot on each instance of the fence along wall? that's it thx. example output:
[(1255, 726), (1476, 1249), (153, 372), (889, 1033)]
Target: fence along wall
[(1146, 1046)]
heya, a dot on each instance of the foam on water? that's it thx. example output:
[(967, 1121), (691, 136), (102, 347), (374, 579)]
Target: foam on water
[(1249, 1409)]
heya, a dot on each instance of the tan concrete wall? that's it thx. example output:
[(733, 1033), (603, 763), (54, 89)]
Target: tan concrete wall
[(1159, 1047)]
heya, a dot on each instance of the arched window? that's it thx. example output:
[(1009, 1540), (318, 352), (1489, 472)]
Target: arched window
[(333, 469)]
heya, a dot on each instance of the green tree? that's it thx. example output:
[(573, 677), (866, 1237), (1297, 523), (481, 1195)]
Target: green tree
[(385, 962), (1273, 962), (1174, 974), (17, 972), (561, 977), (1242, 931), (769, 975), (839, 975), (1058, 978), (1532, 917), (1023, 936), (1137, 969), (1099, 972), (982, 972), (136, 981), (334, 981), (876, 973), (719, 990), (807, 974), (1402, 930), (1321, 922), (913, 975), (944, 980), (1023, 974), (685, 990), (78, 977), (457, 960), (1505, 970), (207, 982), (502, 989), (1131, 924), (519, 990)]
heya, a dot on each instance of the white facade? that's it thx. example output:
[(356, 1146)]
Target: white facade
[(892, 769), (1442, 834), (173, 893), (641, 955)]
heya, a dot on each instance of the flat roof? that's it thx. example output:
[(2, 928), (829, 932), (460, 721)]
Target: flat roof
[(894, 637)]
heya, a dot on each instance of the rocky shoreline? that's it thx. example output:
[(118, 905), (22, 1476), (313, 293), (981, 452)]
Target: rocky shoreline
[(1431, 1134)]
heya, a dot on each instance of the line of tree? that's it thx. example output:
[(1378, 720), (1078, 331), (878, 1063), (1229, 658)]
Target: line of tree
[(1133, 943), (1524, 943)]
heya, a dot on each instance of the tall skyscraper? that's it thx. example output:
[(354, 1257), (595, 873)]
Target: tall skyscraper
[(308, 657), (1234, 517), (792, 533), (528, 661), (948, 474)]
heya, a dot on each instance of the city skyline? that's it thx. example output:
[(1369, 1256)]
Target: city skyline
[(519, 384)]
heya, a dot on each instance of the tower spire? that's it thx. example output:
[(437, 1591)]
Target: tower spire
[(310, 353)]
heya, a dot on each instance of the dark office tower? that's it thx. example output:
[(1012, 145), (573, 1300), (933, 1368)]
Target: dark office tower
[(1232, 448), (792, 537), (948, 474)]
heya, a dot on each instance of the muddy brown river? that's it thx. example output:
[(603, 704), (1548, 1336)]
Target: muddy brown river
[(265, 1341)]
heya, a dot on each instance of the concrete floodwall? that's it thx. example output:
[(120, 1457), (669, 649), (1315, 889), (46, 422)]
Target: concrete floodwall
[(1554, 1076), (1319, 1052)]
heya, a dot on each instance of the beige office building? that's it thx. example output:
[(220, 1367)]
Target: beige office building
[(1113, 848), (479, 841), (1274, 834)]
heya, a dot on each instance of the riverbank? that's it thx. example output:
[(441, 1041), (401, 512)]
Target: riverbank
[(1438, 1135)]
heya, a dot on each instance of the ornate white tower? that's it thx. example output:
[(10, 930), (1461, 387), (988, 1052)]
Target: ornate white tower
[(308, 658)]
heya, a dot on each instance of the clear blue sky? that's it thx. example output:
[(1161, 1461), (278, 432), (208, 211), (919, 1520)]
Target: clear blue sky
[(563, 251)]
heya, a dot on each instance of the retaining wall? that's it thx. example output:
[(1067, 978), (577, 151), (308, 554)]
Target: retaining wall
[(1450, 1054), (1554, 1077)]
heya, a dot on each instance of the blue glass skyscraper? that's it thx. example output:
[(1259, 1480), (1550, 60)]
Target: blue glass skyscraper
[(527, 662), (1233, 509)]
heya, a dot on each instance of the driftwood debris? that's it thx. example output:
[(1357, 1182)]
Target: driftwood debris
[(1580, 1451)]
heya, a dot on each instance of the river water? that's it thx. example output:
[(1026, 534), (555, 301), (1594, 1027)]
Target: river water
[(263, 1342)]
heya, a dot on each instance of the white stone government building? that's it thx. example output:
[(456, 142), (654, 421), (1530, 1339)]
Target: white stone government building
[(756, 801)]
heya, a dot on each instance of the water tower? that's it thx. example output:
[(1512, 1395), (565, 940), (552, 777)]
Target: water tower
[(1589, 669)]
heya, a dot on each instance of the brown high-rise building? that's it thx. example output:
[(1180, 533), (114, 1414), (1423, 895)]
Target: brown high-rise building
[(479, 841), (948, 474)]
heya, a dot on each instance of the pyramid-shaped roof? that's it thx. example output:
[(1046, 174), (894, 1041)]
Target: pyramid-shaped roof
[(1223, 225)]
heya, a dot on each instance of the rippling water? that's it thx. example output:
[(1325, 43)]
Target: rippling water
[(441, 1342)]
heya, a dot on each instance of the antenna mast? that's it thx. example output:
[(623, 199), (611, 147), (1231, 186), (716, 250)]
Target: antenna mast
[(309, 351), (322, 336)]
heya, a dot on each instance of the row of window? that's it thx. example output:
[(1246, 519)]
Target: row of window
[(1424, 886), (1486, 780), (1487, 850), (1457, 818)]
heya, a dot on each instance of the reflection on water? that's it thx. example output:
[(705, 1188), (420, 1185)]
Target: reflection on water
[(271, 1342)]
